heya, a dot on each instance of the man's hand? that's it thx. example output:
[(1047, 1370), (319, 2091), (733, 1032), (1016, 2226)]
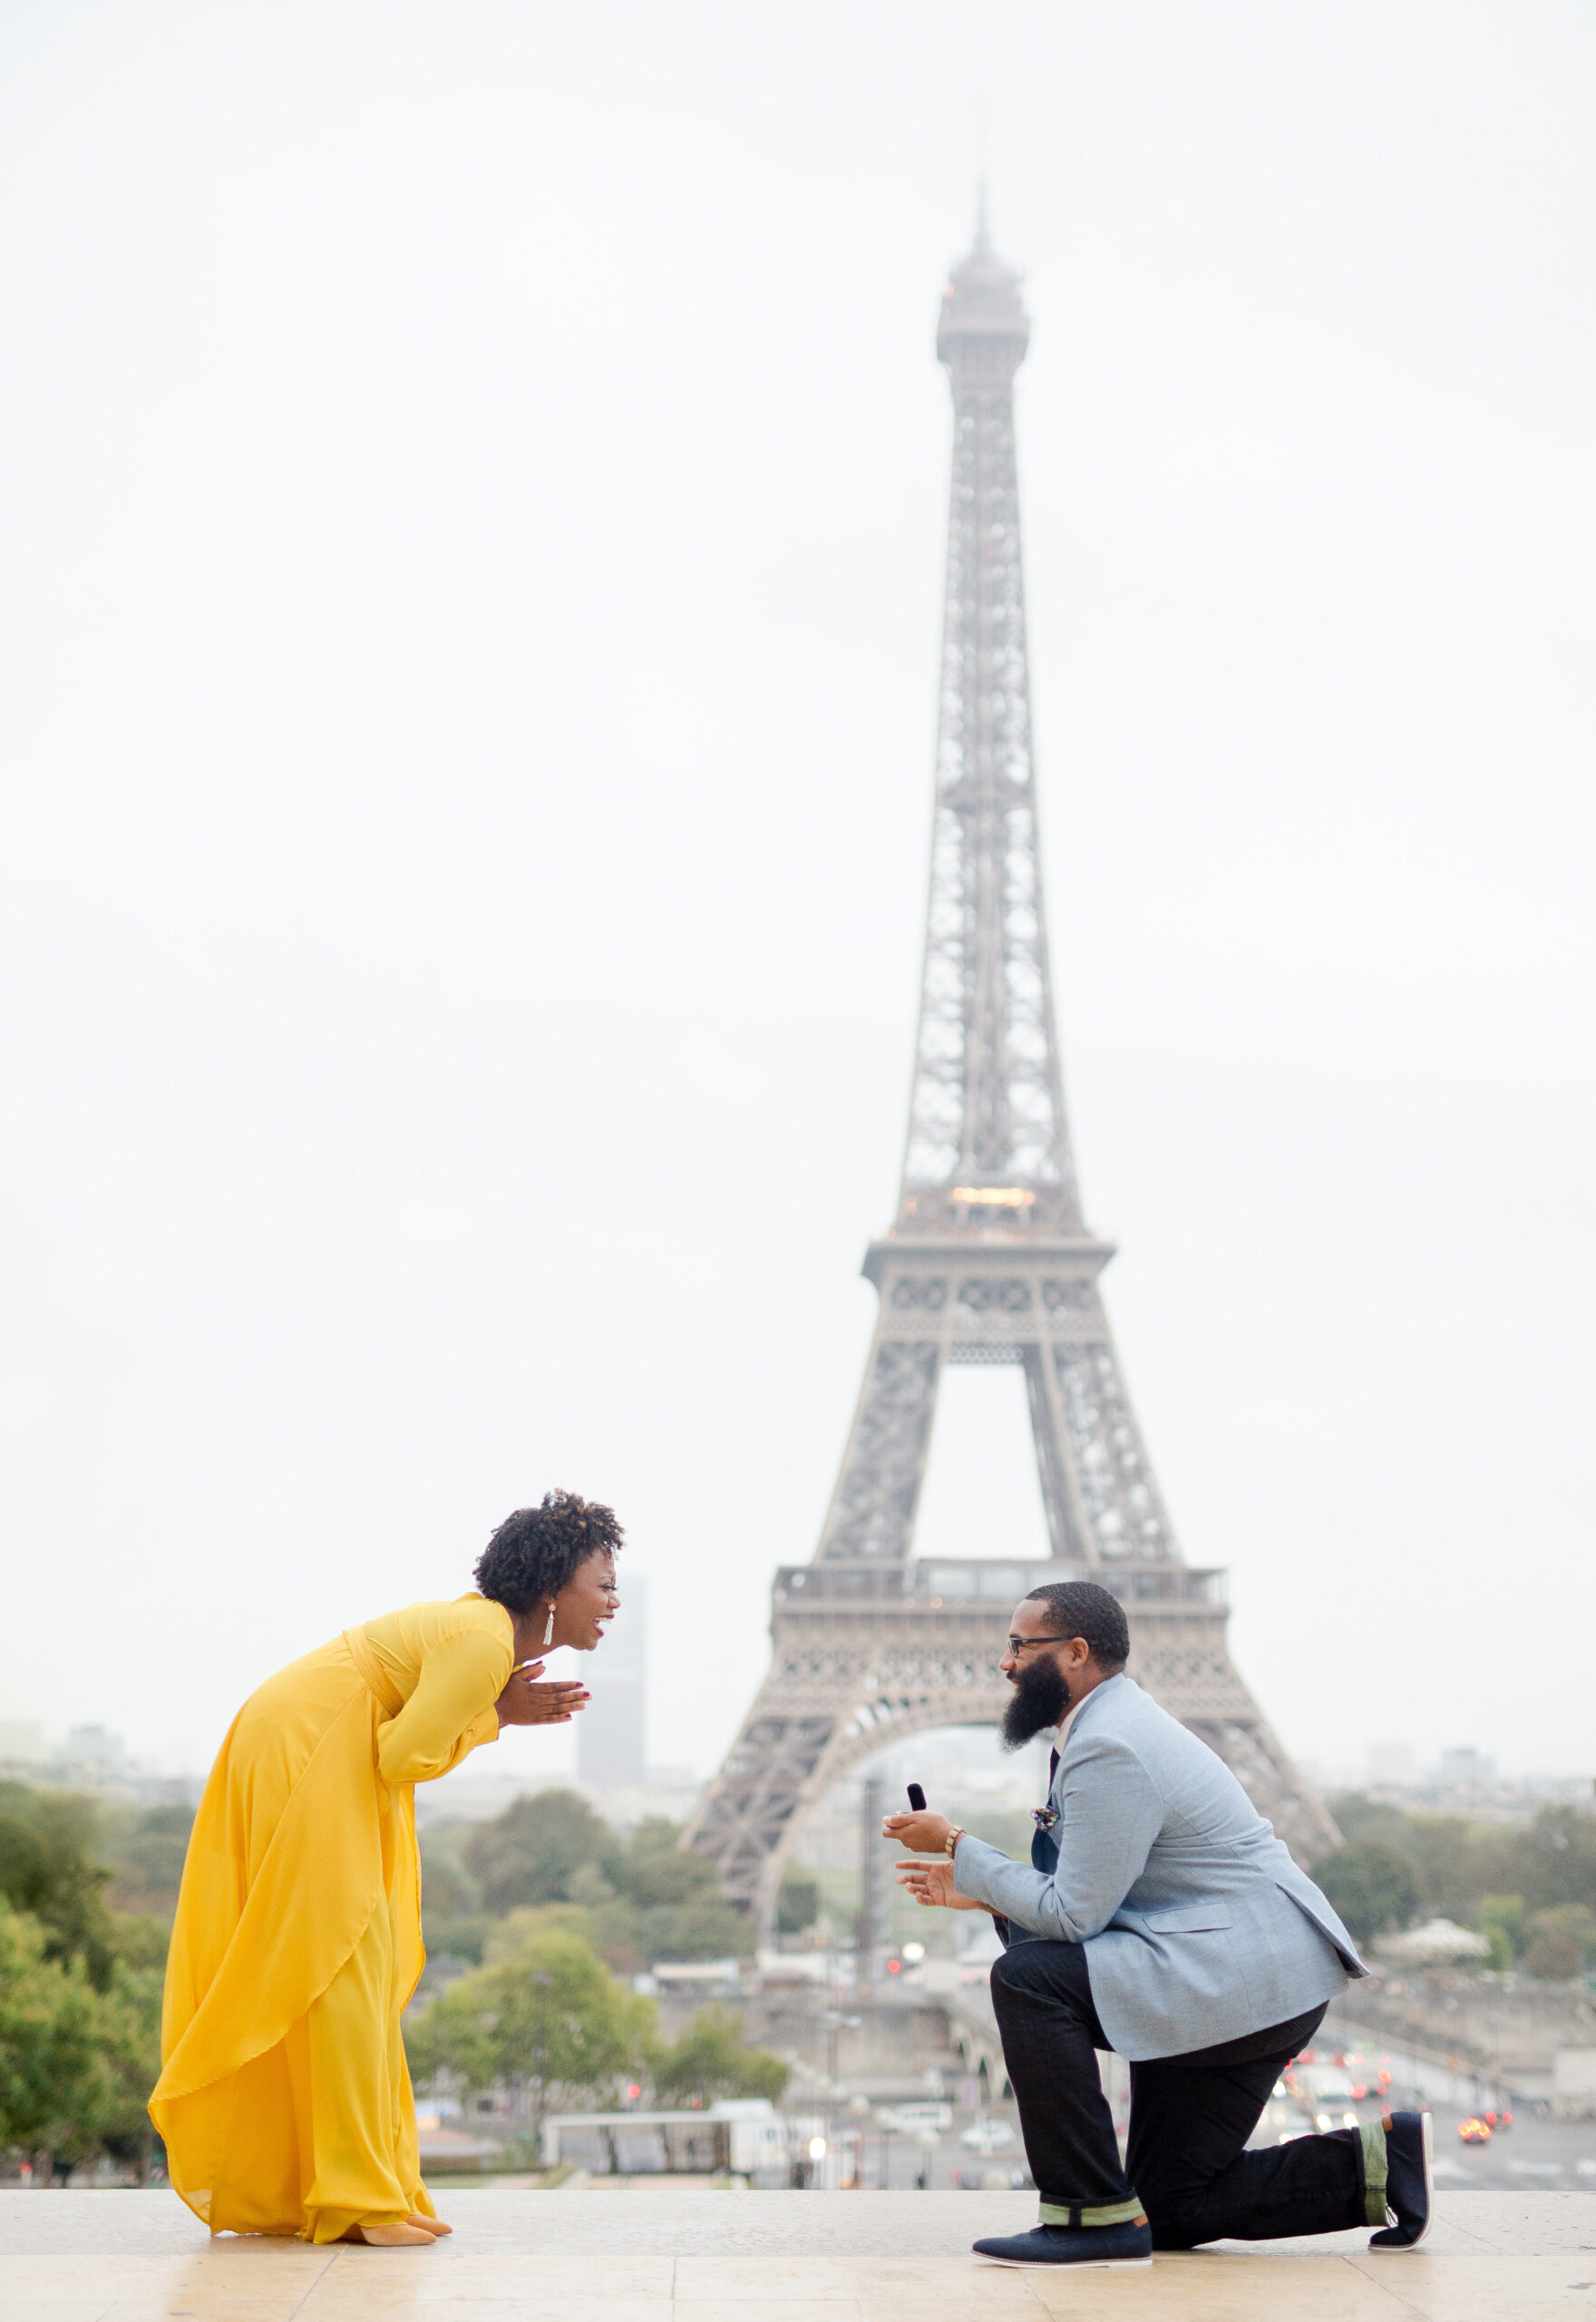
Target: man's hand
[(922, 1833), (931, 1883), (523, 1702)]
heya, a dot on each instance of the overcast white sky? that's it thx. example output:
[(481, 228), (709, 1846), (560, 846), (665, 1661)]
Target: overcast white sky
[(473, 481)]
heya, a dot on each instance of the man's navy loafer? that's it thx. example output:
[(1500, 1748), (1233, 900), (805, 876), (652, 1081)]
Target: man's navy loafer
[(1065, 2245), (1410, 2182)]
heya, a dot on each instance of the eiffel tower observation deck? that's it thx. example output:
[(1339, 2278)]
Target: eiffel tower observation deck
[(989, 1260)]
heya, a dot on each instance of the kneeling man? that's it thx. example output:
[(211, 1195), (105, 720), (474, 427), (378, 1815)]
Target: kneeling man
[(1162, 1918)]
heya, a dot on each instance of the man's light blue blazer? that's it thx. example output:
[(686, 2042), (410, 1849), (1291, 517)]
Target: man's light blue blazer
[(1197, 1925)]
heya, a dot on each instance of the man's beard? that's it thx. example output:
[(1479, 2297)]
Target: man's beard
[(1041, 1697)]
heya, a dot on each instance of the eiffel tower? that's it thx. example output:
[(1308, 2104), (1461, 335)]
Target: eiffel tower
[(989, 1260)]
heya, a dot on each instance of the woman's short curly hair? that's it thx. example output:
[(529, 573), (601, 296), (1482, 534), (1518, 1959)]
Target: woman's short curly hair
[(535, 1551)]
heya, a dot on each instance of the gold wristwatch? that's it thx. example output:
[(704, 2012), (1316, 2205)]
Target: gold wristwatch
[(950, 1841)]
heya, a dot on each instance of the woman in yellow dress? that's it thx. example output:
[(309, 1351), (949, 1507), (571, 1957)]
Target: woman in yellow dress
[(284, 2099)]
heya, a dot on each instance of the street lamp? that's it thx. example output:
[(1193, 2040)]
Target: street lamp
[(835, 2023)]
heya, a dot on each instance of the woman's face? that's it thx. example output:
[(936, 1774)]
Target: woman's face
[(586, 1601)]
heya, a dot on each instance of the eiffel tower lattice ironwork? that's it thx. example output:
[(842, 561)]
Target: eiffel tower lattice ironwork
[(987, 1261)]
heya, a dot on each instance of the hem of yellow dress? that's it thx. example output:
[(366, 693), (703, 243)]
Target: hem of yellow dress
[(332, 2225), (317, 2226), (203, 2214)]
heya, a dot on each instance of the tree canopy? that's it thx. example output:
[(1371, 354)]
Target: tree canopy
[(80, 2032), (711, 2060), (549, 2019), (642, 1896), (1371, 1884), (48, 1869), (1530, 1888), (546, 2017)]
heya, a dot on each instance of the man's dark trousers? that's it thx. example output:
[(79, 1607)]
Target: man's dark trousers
[(1190, 2117)]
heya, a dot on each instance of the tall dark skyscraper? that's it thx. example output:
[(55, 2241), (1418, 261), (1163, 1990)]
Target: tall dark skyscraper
[(611, 1738)]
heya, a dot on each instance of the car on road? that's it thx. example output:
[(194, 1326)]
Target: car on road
[(988, 2136), (1474, 2131), (1325, 2086), (916, 2119)]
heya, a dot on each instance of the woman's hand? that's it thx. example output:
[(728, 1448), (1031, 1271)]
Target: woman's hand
[(922, 1833), (523, 1703), (931, 1883)]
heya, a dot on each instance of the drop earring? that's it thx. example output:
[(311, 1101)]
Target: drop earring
[(548, 1632)]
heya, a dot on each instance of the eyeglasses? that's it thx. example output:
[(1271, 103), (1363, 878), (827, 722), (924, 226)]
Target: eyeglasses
[(1019, 1643)]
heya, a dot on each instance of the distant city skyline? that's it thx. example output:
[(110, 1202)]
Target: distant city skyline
[(1385, 1762)]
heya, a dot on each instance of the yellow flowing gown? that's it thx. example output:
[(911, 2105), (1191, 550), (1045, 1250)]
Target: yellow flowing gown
[(284, 2099)]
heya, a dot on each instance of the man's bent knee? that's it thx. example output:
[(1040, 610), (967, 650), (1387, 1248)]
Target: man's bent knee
[(1013, 1971), (1042, 1966), (1005, 1972)]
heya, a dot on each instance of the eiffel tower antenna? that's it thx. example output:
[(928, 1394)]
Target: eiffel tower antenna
[(989, 1260)]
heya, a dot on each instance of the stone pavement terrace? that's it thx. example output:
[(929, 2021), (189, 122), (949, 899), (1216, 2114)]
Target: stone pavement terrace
[(635, 2256)]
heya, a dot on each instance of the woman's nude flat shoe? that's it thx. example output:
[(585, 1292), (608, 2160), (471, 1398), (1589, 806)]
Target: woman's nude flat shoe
[(390, 2237), (435, 2225)]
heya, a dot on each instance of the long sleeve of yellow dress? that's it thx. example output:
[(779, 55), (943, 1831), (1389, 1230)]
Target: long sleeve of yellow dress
[(443, 1720), (284, 2098)]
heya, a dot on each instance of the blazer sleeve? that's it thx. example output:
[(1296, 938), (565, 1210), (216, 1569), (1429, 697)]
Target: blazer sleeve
[(450, 1712), (1110, 1812)]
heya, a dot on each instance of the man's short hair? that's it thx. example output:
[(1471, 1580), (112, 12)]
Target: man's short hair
[(1080, 1608)]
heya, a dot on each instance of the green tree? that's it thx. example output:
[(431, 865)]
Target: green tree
[(548, 2019), (655, 1871), (798, 1903), (1358, 1817), (446, 1892), (54, 2089), (453, 1921), (145, 1849), (1501, 1919), (76, 2063), (461, 1940), (1372, 1884), (1561, 1941), (1439, 1848), (682, 1913), (711, 2059), (80, 1989), (608, 1928), (1559, 1856), (47, 1870), (708, 1928), (643, 1898), (530, 1852), (511, 1934), (1446, 1879), (1457, 1864), (130, 2047)]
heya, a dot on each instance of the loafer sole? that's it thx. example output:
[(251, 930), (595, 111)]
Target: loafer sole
[(1060, 2265)]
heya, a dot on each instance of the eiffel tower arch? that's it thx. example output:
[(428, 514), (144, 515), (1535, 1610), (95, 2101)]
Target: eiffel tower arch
[(989, 1260)]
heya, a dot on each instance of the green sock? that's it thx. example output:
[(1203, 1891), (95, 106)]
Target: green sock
[(1373, 2136), (1106, 2213)]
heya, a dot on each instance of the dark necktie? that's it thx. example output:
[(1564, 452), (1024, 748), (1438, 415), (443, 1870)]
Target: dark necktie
[(1044, 1844)]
